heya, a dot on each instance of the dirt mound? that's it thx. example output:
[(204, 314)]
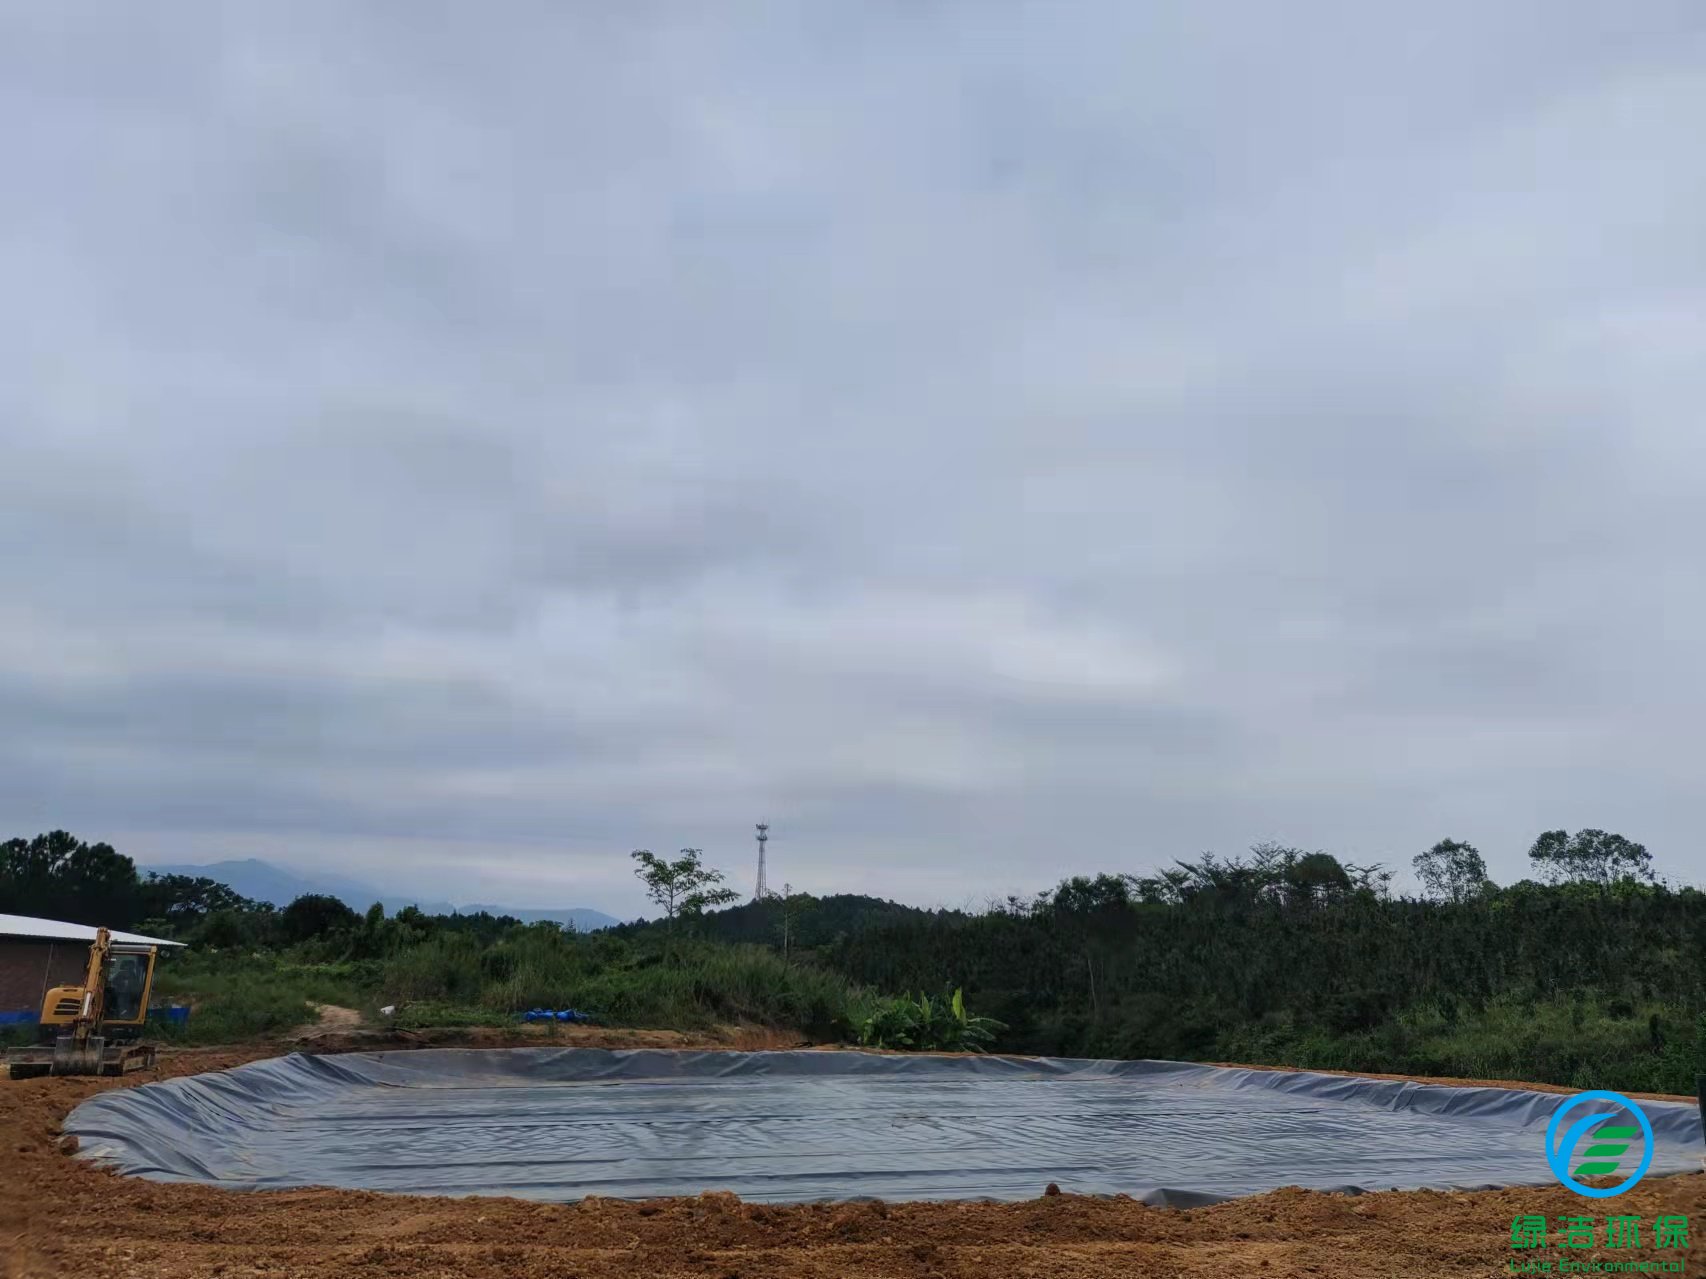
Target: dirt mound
[(333, 1015), (329, 1017), (59, 1216)]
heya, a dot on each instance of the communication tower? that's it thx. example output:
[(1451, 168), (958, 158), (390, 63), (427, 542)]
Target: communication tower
[(763, 890)]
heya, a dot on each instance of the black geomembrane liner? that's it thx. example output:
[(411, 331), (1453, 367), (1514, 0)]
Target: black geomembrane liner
[(564, 1123)]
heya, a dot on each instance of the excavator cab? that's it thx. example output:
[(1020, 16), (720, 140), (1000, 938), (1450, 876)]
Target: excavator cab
[(130, 974), (127, 978), (93, 1028)]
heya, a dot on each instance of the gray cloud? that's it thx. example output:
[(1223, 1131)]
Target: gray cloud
[(985, 442)]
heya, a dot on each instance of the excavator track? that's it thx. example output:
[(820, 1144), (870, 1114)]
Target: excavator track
[(97, 1058)]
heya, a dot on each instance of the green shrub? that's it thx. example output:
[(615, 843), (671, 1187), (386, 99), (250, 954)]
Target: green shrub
[(925, 1025)]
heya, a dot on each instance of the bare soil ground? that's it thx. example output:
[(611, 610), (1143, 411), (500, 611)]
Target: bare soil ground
[(62, 1217)]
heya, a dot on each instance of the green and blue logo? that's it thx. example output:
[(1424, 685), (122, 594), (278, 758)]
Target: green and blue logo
[(1610, 1142)]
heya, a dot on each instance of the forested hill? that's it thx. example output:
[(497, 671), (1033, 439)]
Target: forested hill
[(1577, 981), (807, 922)]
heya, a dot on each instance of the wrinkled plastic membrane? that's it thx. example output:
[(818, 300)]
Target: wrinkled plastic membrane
[(562, 1124)]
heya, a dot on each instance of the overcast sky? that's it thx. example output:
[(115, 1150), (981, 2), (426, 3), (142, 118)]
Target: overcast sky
[(455, 445)]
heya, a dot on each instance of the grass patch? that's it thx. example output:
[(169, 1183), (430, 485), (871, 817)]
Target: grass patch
[(689, 986), (248, 996)]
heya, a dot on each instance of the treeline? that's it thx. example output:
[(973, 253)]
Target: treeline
[(58, 876), (1595, 979), (1589, 974)]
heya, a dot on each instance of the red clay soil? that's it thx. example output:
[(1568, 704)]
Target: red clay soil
[(62, 1217)]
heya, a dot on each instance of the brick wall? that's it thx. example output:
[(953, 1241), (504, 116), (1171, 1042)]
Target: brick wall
[(28, 967)]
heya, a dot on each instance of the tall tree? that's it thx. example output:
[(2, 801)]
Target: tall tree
[(1590, 856), (1093, 913), (792, 906), (59, 876), (1315, 877), (317, 915), (682, 888), (1373, 879), (182, 900), (1451, 871)]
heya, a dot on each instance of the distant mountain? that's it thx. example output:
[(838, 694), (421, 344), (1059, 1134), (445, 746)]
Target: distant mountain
[(583, 918), (263, 882)]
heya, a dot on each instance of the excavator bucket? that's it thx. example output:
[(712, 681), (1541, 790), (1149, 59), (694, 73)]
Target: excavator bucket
[(73, 1058), (94, 1056)]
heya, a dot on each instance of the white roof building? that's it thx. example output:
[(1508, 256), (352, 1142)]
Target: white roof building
[(57, 930)]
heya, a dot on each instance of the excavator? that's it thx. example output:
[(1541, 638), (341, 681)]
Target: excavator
[(93, 1029)]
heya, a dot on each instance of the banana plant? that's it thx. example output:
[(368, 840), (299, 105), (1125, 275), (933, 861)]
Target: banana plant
[(923, 1024)]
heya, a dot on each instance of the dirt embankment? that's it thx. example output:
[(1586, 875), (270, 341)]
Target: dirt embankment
[(61, 1217), (337, 1035)]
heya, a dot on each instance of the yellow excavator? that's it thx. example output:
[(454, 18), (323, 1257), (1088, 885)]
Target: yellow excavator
[(94, 1029)]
